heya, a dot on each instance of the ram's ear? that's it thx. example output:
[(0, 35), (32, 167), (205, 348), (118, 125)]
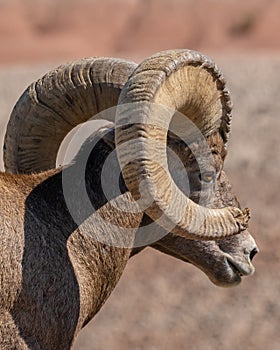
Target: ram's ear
[(109, 137)]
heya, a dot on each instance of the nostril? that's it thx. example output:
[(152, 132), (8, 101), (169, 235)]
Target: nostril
[(254, 251)]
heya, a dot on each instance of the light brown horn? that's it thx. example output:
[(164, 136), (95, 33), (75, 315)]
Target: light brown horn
[(192, 84), (53, 105)]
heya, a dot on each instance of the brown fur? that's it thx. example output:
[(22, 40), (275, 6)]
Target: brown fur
[(55, 277)]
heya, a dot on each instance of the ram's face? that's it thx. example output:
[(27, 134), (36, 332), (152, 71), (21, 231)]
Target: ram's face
[(224, 261), (182, 92)]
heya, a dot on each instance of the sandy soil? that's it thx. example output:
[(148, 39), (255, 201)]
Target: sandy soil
[(160, 302)]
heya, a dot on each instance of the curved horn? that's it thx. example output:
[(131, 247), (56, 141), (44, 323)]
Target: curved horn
[(53, 105), (191, 83)]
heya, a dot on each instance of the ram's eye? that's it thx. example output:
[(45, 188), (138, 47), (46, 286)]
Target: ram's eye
[(207, 176), (191, 157)]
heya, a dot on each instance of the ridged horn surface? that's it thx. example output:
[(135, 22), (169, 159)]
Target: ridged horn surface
[(191, 83), (54, 104)]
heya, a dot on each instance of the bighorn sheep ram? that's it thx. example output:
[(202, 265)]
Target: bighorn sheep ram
[(57, 272)]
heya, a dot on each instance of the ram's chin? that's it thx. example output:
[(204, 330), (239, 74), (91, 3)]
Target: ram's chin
[(226, 278), (226, 283)]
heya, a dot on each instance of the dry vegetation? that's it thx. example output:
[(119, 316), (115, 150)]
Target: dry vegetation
[(162, 303)]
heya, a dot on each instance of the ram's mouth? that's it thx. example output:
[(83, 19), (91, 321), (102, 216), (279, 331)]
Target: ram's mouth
[(234, 268), (240, 267)]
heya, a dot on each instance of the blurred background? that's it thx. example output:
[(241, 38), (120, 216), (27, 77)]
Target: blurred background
[(161, 302)]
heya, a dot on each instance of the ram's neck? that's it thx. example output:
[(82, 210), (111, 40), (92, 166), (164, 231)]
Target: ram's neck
[(63, 266), (101, 237)]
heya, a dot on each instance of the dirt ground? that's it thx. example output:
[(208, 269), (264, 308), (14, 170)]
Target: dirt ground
[(161, 302)]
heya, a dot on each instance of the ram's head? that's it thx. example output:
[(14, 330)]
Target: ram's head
[(172, 123)]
